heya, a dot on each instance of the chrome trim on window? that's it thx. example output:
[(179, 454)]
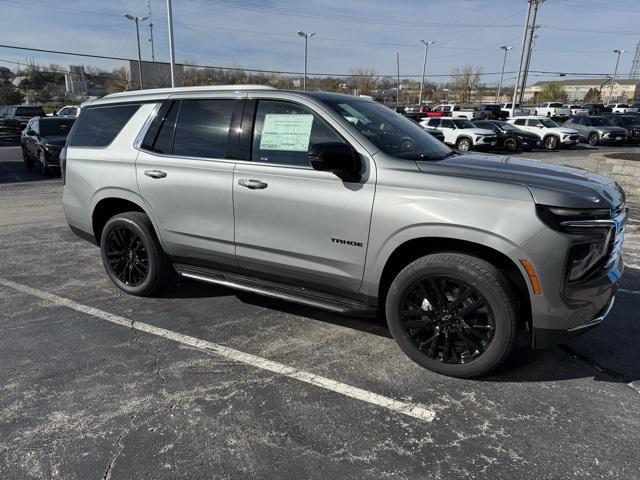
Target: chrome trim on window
[(145, 126)]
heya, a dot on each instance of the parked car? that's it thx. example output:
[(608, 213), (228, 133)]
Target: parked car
[(338, 203), (509, 137), (552, 110), (596, 130), (553, 135), (13, 119), (635, 106), (68, 111), (462, 134), (577, 109), (451, 110), (514, 112), (594, 108), (631, 123), (489, 112), (42, 140), (621, 108)]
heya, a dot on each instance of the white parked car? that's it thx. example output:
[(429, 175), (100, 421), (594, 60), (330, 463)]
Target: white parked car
[(577, 109), (514, 112), (454, 110), (461, 133), (553, 135), (621, 108), (552, 110), (68, 111)]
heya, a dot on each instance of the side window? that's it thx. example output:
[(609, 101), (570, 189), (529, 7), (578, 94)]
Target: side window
[(159, 136), (456, 108), (284, 131), (520, 121), (533, 122), (203, 127), (99, 126), (446, 108), (446, 123), (434, 122)]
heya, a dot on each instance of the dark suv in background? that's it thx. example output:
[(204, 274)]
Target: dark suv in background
[(14, 118), (510, 137), (42, 140), (489, 112)]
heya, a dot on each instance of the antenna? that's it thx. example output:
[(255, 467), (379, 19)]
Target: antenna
[(635, 66), (153, 53)]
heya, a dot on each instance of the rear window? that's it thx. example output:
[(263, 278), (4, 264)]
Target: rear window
[(99, 126), (29, 112), (56, 126)]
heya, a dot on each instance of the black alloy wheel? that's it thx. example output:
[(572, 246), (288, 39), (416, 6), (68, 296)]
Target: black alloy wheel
[(127, 256), (594, 139), (510, 144), (447, 319)]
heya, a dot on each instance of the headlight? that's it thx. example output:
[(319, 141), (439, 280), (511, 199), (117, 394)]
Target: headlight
[(584, 257), (479, 137)]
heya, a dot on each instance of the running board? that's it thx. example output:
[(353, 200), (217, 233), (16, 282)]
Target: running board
[(305, 296)]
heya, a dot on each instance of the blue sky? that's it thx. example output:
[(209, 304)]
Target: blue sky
[(576, 35)]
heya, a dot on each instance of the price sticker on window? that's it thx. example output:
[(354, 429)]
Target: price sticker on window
[(286, 132)]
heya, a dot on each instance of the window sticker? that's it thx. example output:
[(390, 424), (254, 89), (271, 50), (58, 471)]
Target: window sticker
[(286, 132)]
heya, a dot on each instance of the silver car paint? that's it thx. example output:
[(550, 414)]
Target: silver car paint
[(288, 227)]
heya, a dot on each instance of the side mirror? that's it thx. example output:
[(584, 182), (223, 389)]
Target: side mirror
[(337, 158)]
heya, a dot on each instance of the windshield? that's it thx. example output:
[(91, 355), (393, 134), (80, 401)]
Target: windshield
[(599, 122), (548, 123), (55, 126), (29, 112), (463, 123), (508, 127), (390, 132)]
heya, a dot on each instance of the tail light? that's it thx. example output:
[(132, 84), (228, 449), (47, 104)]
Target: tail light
[(63, 164)]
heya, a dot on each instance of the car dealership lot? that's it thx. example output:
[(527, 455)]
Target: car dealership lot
[(85, 395)]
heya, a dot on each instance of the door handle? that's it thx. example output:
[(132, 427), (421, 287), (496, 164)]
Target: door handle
[(155, 173), (252, 184)]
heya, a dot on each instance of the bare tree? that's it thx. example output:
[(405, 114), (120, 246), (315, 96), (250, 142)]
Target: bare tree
[(120, 80), (465, 81), (364, 80)]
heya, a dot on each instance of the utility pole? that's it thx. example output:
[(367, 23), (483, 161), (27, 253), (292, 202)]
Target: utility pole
[(532, 28), (522, 52), (528, 64), (615, 72), (306, 37), (398, 85), (153, 51), (506, 49), (424, 67), (172, 53)]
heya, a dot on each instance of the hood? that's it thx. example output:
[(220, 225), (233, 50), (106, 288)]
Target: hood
[(478, 131), (549, 184), (55, 140), (565, 130), (611, 129)]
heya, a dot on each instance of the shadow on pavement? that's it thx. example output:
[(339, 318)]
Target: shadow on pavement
[(13, 169)]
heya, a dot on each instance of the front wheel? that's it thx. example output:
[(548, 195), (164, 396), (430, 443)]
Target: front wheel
[(463, 144), (452, 313), (44, 170), (132, 254), (510, 145), (594, 139), (551, 142)]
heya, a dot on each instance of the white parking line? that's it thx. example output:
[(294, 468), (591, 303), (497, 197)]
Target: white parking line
[(631, 292), (412, 410)]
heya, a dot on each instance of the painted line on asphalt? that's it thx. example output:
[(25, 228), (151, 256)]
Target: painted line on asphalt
[(630, 292), (413, 410)]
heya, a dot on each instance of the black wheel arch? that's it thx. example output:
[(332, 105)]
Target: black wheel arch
[(109, 207)]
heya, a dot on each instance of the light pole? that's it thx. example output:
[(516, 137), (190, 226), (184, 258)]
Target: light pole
[(306, 37), (172, 53), (615, 72), (424, 67), (506, 49), (138, 20)]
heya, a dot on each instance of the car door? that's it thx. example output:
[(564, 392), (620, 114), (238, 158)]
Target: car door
[(32, 137), (534, 125), (295, 223), (184, 173), (448, 128)]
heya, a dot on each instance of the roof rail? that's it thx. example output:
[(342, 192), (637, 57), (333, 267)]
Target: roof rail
[(205, 88)]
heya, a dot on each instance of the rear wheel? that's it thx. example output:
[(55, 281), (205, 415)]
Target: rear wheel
[(452, 313), (594, 139), (132, 255), (551, 142), (463, 144), (510, 144)]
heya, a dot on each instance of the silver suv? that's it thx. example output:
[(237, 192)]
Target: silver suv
[(339, 203)]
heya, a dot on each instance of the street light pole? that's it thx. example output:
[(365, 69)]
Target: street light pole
[(506, 49), (172, 53), (138, 20), (306, 44), (424, 67), (522, 53), (615, 72)]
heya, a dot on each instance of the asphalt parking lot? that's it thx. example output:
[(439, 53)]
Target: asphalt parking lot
[(205, 382)]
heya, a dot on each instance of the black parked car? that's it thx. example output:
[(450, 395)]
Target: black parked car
[(631, 123), (13, 118), (42, 140), (490, 112), (434, 132), (510, 137)]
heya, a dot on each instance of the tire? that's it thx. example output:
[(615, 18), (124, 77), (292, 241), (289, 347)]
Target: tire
[(457, 345), (129, 237), (463, 144), (510, 144), (551, 142), (28, 162), (593, 139)]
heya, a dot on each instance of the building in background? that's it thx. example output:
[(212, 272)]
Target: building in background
[(154, 74), (80, 85), (576, 90)]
